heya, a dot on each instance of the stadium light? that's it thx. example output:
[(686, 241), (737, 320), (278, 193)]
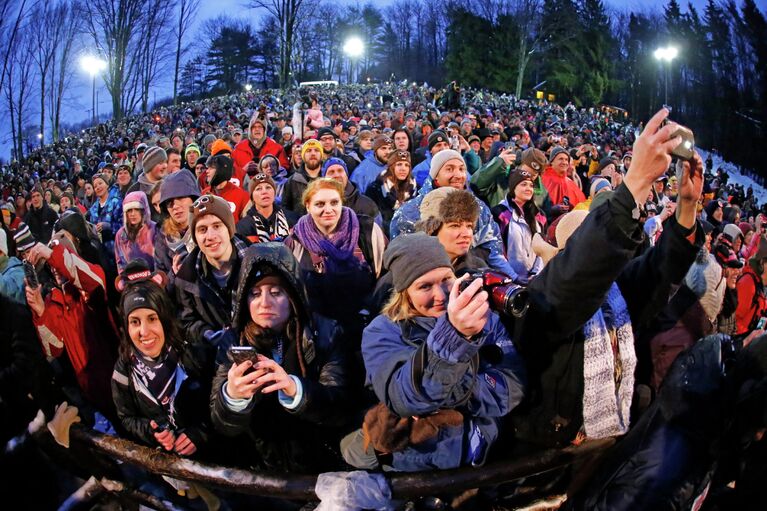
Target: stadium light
[(353, 48), (93, 66), (666, 54), (248, 87)]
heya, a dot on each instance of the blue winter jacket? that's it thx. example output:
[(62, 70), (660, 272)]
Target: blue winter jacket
[(388, 349), (12, 281), (367, 171), (421, 171), (487, 235)]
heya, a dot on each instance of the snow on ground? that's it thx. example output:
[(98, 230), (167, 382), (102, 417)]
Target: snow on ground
[(735, 176)]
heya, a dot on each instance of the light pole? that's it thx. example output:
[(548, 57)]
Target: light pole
[(93, 66), (666, 55), (353, 48)]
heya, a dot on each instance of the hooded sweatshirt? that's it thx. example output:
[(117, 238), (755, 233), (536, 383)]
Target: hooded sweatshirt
[(142, 245)]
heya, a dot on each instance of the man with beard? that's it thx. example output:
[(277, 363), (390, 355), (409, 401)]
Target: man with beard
[(136, 238), (328, 138), (311, 154), (374, 162)]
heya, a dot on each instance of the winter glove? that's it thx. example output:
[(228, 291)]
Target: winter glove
[(62, 420)]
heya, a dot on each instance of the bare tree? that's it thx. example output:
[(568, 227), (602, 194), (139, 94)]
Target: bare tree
[(12, 12), (45, 32), (68, 15), (186, 11), (18, 86), (286, 13), (153, 38), (116, 28), (532, 38)]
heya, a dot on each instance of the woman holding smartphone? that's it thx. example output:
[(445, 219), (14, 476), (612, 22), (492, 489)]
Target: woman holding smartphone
[(293, 381), (160, 383)]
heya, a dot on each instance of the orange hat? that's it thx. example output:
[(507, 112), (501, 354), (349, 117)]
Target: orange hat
[(219, 147)]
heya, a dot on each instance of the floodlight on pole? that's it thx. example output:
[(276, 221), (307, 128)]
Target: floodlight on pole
[(666, 54), (93, 66), (248, 87), (353, 48)]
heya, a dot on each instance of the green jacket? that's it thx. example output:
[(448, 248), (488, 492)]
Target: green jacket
[(491, 181), (491, 184)]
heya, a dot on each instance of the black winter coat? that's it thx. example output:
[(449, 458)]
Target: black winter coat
[(203, 305), (569, 291), (303, 439), (40, 222), (294, 190), (192, 413), (23, 370), (360, 204)]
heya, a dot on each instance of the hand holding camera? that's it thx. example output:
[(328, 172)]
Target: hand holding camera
[(690, 178), (508, 155), (651, 155), (468, 308)]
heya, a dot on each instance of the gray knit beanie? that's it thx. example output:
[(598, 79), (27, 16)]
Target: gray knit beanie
[(442, 157), (409, 256), (153, 156)]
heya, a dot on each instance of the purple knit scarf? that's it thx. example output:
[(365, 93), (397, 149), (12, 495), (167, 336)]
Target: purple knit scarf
[(338, 249)]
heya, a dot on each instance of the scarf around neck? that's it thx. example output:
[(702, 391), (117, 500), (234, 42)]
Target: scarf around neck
[(608, 368), (337, 250), (156, 378)]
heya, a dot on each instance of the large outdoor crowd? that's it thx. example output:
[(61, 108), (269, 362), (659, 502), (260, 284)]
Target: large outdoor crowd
[(325, 281)]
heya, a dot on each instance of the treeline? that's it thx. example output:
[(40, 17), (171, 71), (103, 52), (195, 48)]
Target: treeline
[(578, 50)]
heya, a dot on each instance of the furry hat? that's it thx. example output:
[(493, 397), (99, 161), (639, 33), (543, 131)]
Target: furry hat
[(447, 206)]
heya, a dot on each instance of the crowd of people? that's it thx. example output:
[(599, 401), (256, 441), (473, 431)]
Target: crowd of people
[(316, 283)]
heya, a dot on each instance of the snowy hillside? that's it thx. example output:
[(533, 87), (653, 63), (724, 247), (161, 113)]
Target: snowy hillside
[(735, 176)]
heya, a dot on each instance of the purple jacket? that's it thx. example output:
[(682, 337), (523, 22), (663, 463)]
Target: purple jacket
[(142, 247)]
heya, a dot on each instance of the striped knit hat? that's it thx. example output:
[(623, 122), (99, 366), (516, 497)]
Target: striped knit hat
[(24, 238), (154, 156)]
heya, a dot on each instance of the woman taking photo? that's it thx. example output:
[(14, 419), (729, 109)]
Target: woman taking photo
[(438, 354), (266, 221), (336, 249), (160, 384), (295, 378), (517, 217), (393, 187)]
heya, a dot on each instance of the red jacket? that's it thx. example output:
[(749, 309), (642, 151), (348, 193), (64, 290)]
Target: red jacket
[(77, 320), (560, 186), (244, 153), (751, 301), (238, 199)]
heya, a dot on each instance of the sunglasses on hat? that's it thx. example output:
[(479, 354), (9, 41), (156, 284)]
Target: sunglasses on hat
[(201, 201)]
